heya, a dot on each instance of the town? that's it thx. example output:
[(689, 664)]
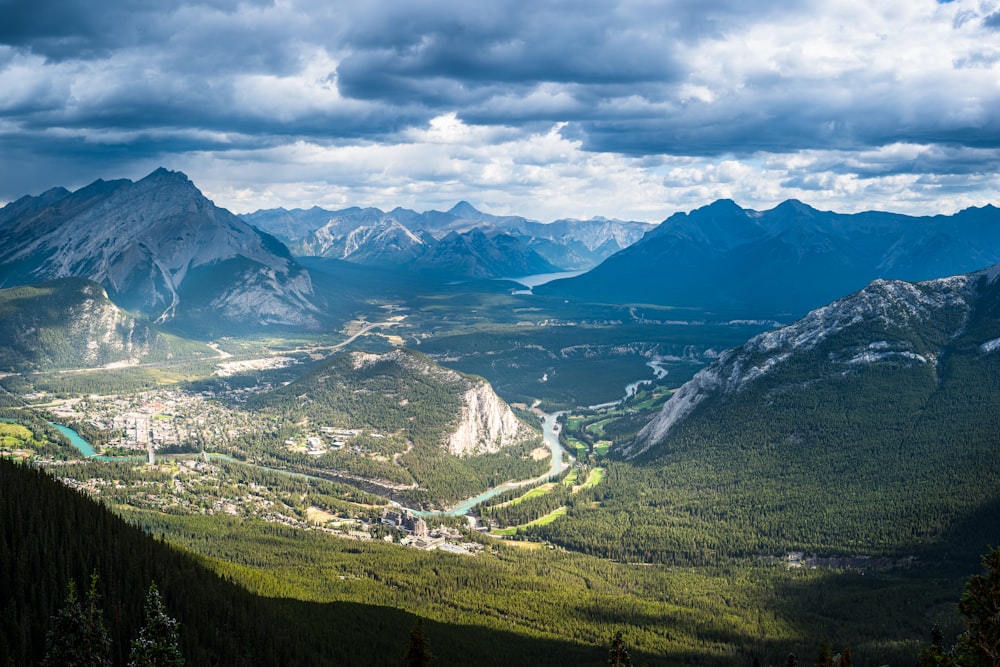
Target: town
[(176, 451)]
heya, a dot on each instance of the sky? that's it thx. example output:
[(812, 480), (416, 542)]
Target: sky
[(547, 109)]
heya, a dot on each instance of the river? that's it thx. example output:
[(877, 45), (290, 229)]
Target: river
[(550, 436), (74, 439), (658, 371)]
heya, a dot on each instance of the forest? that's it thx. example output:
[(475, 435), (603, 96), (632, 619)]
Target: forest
[(748, 537), (248, 598)]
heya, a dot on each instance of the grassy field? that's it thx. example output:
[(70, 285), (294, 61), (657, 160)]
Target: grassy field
[(540, 521), (14, 435), (595, 477), (533, 493)]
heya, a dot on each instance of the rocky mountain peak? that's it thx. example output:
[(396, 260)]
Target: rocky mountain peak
[(145, 240), (464, 209)]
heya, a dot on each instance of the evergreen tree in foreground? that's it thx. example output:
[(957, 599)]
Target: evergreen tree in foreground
[(980, 643), (77, 636), (935, 654), (417, 653), (158, 641), (618, 656)]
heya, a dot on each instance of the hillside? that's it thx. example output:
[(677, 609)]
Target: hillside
[(50, 535), (71, 323), (160, 249), (866, 428), (727, 261), (427, 433)]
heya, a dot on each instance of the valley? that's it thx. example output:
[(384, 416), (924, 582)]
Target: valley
[(720, 480), (228, 502)]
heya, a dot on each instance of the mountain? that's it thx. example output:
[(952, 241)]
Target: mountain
[(422, 432), (71, 323), (160, 249), (380, 241), (564, 244), (867, 429), (481, 254), (728, 260), (889, 325)]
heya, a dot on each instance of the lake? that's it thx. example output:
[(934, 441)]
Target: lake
[(537, 279)]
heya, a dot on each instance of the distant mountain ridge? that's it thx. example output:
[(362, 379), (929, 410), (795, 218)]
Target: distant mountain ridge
[(785, 261), (402, 236), (160, 248)]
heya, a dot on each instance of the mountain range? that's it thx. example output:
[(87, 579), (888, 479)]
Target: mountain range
[(866, 429), (160, 249), (783, 262), (427, 242)]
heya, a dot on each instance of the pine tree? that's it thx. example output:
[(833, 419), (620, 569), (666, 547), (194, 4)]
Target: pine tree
[(618, 656), (77, 636), (935, 655), (158, 641), (825, 657), (980, 643), (418, 653)]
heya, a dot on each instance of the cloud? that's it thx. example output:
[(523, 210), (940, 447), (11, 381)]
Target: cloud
[(513, 99)]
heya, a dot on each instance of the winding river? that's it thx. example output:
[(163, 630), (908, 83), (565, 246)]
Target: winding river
[(550, 436)]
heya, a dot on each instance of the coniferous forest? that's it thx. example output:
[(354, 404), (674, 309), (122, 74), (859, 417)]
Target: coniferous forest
[(51, 536), (54, 539)]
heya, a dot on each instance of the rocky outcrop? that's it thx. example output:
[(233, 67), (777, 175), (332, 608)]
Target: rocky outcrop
[(487, 424), (71, 323), (102, 333)]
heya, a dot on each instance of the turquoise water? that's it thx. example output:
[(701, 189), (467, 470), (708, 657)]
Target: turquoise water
[(74, 439), (551, 433)]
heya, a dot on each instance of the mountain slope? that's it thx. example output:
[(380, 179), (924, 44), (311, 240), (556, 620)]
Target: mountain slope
[(475, 254), (783, 262), (50, 535), (896, 323), (71, 323), (160, 248), (425, 432), (866, 429)]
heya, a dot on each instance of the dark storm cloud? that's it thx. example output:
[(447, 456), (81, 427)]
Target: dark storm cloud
[(511, 45), (67, 29), (709, 80)]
